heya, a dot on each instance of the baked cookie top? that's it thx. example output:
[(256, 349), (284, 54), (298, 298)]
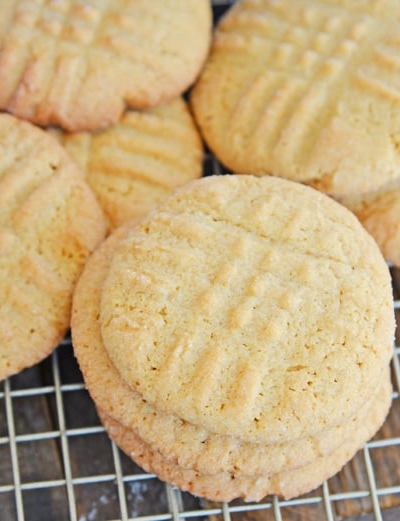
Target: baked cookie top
[(134, 164), (79, 64), (306, 90), (254, 307), (50, 221), (189, 445)]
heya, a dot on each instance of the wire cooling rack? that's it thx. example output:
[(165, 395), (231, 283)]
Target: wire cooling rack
[(57, 463)]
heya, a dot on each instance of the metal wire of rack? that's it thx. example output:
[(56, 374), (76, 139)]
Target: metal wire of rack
[(57, 463)]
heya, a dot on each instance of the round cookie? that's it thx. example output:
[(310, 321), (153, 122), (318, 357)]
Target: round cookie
[(305, 91), (226, 486), (78, 65), (251, 306), (50, 222), (379, 213), (134, 164), (184, 444)]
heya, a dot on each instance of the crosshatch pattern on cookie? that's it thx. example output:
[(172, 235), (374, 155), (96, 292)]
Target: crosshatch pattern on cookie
[(324, 46), (216, 385), (289, 67), (76, 64), (134, 164)]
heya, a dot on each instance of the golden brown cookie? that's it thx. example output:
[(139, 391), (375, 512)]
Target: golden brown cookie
[(134, 164), (226, 486), (50, 221), (251, 306), (78, 65), (305, 90), (379, 213), (184, 444)]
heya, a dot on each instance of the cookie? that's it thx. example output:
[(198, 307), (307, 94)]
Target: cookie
[(379, 213), (226, 487), (254, 307), (183, 444), (78, 66), (134, 164), (50, 222), (305, 90)]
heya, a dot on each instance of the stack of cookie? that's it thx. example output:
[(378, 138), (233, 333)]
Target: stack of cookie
[(110, 77), (309, 91), (237, 339)]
